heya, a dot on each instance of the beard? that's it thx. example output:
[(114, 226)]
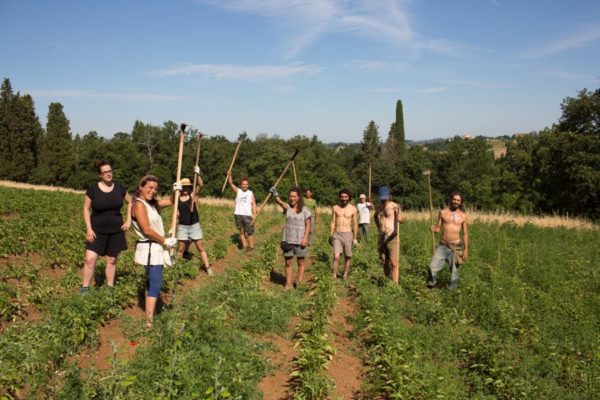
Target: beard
[(454, 207), (343, 203)]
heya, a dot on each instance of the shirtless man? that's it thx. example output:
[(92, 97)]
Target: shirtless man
[(343, 231), (451, 221), (387, 215)]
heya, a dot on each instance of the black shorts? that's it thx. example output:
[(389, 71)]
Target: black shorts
[(108, 244)]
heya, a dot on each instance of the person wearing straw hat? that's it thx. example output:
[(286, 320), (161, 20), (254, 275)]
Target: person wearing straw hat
[(364, 217), (386, 216), (189, 228)]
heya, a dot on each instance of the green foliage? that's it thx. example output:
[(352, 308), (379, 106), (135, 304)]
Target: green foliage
[(581, 114), (527, 179), (523, 323)]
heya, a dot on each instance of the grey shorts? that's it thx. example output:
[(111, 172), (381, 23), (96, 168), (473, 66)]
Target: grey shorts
[(297, 250), (244, 222), (189, 232), (342, 243)]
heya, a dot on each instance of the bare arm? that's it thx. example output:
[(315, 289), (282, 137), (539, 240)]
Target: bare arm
[(465, 230), (127, 223), (253, 207), (304, 242), (167, 201), (355, 223), (399, 216), (280, 202), (231, 184), (436, 228), (141, 216), (90, 235), (332, 225)]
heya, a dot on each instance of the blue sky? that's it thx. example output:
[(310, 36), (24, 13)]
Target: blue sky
[(316, 67)]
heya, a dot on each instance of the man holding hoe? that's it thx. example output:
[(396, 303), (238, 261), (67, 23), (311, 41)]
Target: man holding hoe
[(245, 211), (451, 221), (343, 231), (388, 216)]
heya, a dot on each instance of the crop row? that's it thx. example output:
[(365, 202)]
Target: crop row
[(315, 350), (523, 323), (36, 353), (204, 348)]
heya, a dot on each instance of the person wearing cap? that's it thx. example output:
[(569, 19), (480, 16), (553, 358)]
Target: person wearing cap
[(189, 228), (343, 231), (364, 217), (387, 214)]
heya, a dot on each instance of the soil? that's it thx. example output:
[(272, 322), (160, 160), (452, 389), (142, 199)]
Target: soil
[(345, 368)]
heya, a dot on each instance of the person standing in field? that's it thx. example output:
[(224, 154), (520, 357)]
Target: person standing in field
[(343, 231), (189, 228), (311, 204), (364, 217), (387, 215), (451, 221), (295, 232), (245, 211), (105, 229), (148, 226)]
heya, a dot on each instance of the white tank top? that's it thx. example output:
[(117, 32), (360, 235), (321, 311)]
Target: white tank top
[(243, 202), (154, 249)]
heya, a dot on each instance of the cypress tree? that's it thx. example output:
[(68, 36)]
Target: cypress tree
[(399, 130), (55, 156), (25, 138), (6, 129)]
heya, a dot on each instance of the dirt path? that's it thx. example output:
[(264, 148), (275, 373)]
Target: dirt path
[(345, 368), (112, 336)]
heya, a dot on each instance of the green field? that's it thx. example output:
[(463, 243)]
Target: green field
[(523, 324)]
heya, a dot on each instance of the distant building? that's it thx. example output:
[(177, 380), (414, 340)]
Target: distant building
[(520, 134)]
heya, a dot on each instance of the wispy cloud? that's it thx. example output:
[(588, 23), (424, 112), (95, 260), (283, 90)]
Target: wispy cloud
[(567, 75), (128, 96), (283, 89), (372, 64), (432, 90), (240, 72), (386, 90), (496, 3), (303, 22), (476, 83), (574, 41)]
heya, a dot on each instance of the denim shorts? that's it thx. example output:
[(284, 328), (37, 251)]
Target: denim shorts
[(189, 232)]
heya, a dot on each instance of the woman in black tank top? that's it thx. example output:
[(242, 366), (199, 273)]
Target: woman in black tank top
[(105, 228)]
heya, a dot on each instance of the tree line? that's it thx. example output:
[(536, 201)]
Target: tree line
[(555, 170)]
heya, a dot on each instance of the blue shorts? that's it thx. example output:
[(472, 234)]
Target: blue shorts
[(189, 232)]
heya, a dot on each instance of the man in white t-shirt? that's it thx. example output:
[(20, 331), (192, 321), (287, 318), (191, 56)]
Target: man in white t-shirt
[(245, 211), (364, 217)]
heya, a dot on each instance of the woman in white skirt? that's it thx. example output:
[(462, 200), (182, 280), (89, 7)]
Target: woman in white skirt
[(149, 250)]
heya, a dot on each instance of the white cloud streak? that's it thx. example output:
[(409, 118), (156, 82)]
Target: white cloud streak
[(476, 83), (432, 90), (240, 72), (303, 22), (126, 96), (577, 40)]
